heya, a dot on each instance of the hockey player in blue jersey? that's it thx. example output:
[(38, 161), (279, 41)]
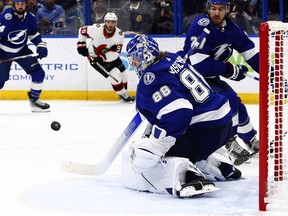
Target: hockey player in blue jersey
[(211, 60), (189, 120), (16, 27)]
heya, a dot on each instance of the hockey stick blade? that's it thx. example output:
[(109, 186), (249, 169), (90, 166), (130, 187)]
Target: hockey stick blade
[(104, 164)]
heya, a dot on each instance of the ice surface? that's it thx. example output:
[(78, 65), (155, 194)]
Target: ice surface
[(32, 184)]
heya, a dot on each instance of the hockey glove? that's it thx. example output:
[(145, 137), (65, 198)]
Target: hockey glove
[(42, 50), (82, 49), (147, 152), (235, 72), (100, 59), (114, 48)]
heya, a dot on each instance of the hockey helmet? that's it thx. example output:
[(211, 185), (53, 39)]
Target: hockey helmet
[(220, 2), (141, 52), (110, 16)]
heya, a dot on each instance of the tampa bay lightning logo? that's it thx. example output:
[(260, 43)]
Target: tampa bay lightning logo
[(8, 16), (203, 22), (148, 78), (222, 52), (18, 36)]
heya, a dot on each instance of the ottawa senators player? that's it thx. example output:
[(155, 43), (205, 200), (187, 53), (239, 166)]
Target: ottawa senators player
[(103, 52)]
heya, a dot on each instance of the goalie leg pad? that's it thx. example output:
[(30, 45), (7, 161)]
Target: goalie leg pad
[(167, 177), (163, 178)]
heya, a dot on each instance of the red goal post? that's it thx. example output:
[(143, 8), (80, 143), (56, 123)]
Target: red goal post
[(273, 126)]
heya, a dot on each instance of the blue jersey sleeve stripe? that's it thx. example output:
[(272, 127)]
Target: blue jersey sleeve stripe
[(175, 105), (212, 115)]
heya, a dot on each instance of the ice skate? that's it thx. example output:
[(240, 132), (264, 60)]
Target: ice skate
[(195, 184), (37, 105), (238, 154), (253, 145), (127, 98)]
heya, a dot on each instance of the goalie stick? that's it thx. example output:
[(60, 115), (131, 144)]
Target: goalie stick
[(104, 164), (19, 57)]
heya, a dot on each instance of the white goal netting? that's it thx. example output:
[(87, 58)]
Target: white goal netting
[(273, 114)]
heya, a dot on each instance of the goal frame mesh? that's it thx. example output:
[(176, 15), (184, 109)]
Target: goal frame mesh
[(273, 155)]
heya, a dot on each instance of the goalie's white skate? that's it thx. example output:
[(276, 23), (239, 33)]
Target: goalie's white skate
[(195, 188)]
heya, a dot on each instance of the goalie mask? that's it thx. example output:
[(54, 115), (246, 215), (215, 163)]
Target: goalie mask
[(141, 52)]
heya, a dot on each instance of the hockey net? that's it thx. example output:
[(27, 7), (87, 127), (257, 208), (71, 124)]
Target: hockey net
[(273, 179)]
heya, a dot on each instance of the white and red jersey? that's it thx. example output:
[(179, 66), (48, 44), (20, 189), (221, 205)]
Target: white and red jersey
[(99, 42)]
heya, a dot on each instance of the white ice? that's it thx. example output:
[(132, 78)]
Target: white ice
[(32, 184)]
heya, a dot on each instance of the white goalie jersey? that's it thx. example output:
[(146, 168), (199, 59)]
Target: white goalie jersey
[(98, 42)]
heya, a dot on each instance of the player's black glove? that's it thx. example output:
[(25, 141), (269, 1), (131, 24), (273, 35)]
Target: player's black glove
[(100, 59), (235, 72), (114, 48), (82, 48), (42, 50)]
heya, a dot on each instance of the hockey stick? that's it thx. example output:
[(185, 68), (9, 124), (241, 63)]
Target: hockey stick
[(104, 164), (251, 76), (97, 66), (196, 44), (19, 57)]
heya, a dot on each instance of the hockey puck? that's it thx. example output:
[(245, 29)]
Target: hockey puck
[(55, 125)]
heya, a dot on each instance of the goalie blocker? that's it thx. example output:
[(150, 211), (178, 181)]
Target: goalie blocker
[(173, 175)]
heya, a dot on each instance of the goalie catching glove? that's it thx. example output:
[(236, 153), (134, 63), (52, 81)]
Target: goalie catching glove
[(235, 72), (146, 152)]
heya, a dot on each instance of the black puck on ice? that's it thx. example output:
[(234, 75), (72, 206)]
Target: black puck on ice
[(55, 125)]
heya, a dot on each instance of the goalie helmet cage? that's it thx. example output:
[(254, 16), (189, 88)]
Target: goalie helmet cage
[(273, 125)]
